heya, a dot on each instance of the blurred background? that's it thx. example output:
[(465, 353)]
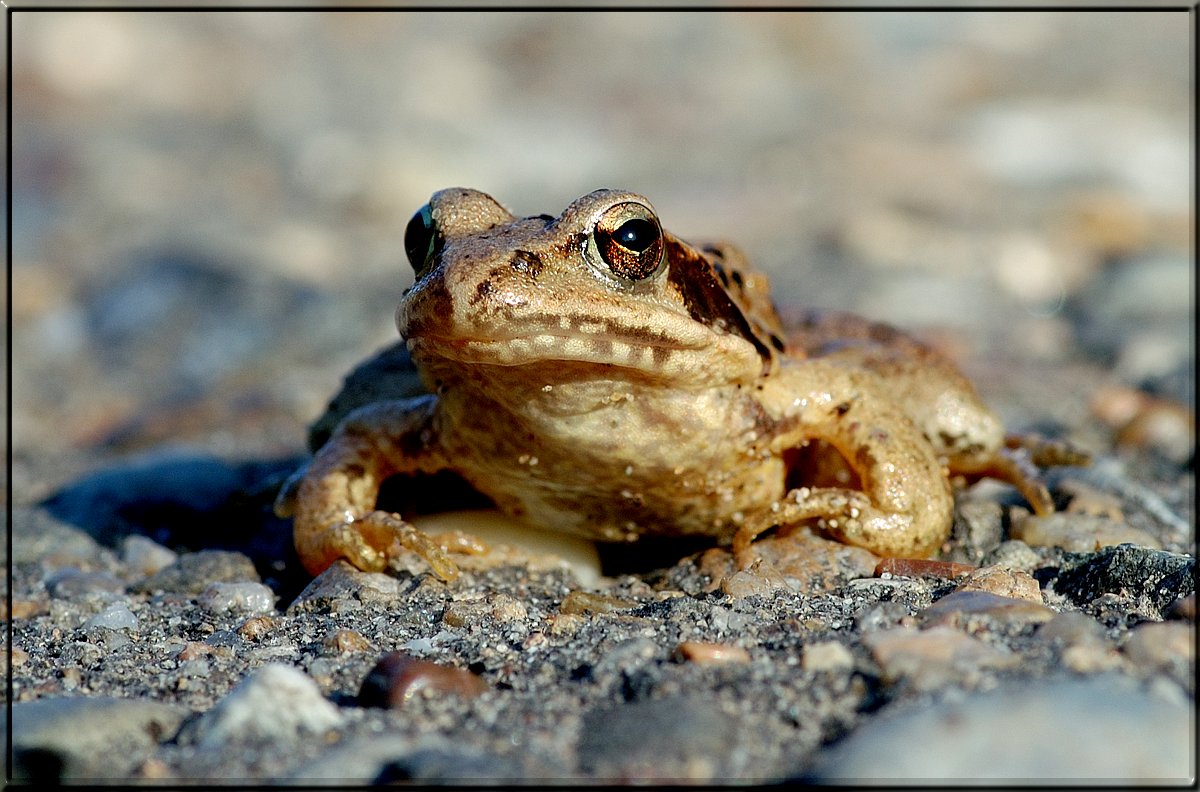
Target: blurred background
[(208, 207)]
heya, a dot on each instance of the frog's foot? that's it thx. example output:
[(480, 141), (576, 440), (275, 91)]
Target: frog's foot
[(1019, 463), (369, 541), (851, 516), (1045, 452)]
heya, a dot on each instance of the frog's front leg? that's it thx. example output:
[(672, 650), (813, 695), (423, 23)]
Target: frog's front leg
[(903, 505), (333, 503)]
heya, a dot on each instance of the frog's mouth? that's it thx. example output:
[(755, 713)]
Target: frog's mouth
[(550, 348), (652, 355)]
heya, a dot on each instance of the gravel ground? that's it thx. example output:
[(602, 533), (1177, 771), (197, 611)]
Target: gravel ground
[(207, 211)]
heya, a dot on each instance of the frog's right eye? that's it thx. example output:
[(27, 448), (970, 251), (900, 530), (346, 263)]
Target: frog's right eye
[(421, 240)]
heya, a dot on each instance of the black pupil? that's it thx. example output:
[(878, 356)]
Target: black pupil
[(636, 235), (418, 237)]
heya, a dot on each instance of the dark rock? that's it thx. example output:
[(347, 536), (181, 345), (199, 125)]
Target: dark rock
[(184, 500), (1155, 578)]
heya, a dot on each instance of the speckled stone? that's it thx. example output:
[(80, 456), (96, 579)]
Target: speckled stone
[(1154, 578)]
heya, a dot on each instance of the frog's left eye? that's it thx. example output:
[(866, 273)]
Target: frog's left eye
[(421, 239), (628, 240)]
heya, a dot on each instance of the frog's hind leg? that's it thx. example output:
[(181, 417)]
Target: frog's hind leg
[(1018, 463), (902, 505), (333, 503)]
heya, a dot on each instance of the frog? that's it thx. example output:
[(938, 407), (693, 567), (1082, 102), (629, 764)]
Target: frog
[(593, 373)]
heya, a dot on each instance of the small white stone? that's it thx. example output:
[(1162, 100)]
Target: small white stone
[(246, 597), (116, 616), (275, 702)]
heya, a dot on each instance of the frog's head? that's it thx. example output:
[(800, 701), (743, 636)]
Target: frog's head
[(601, 284)]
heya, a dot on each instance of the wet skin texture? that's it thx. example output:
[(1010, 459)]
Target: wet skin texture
[(593, 373)]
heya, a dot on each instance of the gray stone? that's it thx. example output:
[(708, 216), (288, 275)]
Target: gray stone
[(81, 739), (389, 758), (40, 536), (1101, 727), (673, 737), (194, 572)]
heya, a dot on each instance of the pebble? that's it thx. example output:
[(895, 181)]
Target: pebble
[(935, 657), (1004, 582), (192, 573), (39, 536), (390, 758), (144, 556), (115, 616), (1098, 727), (1160, 645), (1072, 628), (826, 656), (500, 607), (702, 653), (344, 641), (397, 678), (672, 738), (1081, 642), (242, 597), (275, 702), (1078, 533), (1013, 554), (586, 602), (978, 522), (1182, 608), (342, 582), (921, 567), (71, 583), (257, 627), (801, 563), (81, 738), (964, 605)]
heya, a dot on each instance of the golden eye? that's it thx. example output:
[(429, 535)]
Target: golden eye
[(629, 241), (421, 239)]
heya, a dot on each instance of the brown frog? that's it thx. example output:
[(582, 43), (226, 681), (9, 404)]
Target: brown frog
[(593, 373)]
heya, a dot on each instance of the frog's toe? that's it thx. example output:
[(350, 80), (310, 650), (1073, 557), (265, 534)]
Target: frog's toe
[(382, 531), (369, 542)]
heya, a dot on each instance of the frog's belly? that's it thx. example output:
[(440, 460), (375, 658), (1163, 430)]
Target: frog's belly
[(705, 503)]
